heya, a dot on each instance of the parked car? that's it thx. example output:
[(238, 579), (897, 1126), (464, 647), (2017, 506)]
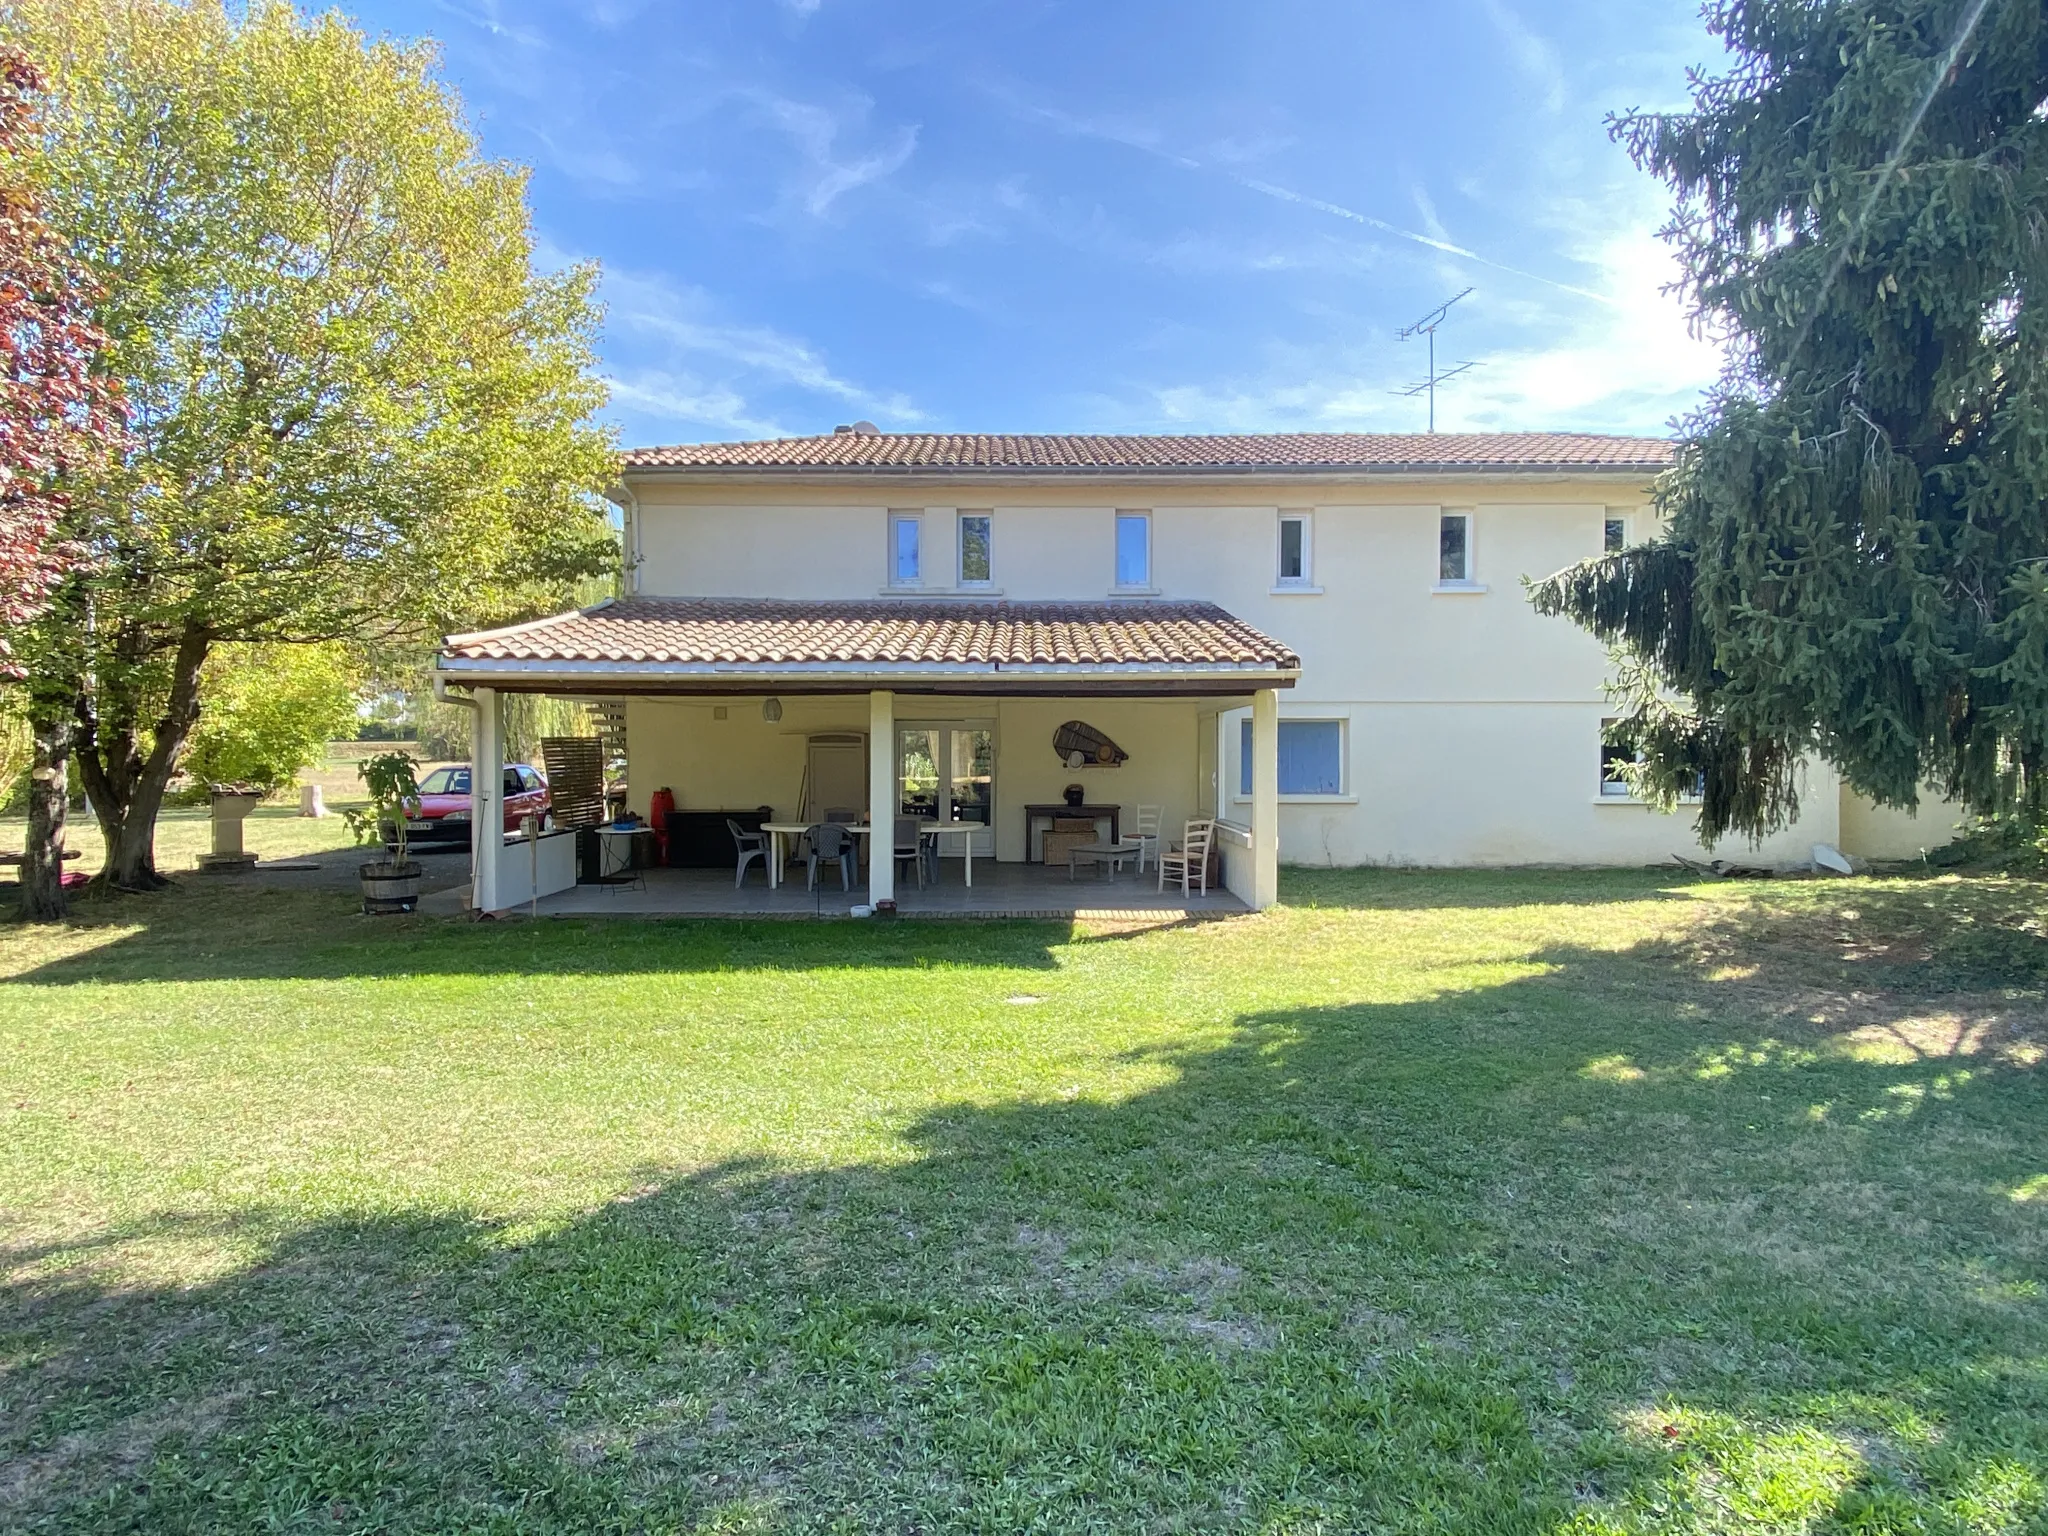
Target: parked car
[(442, 814)]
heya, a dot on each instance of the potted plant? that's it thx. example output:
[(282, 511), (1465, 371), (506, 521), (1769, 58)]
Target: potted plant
[(392, 885)]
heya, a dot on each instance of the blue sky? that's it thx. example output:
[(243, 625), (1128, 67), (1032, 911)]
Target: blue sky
[(1098, 217)]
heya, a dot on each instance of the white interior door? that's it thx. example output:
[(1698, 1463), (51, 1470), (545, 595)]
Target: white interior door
[(838, 778)]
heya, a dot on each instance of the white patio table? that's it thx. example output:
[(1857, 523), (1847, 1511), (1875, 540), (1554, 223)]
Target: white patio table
[(778, 830), (964, 830)]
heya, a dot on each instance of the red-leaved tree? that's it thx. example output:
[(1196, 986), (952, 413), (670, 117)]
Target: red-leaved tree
[(56, 412), (57, 415)]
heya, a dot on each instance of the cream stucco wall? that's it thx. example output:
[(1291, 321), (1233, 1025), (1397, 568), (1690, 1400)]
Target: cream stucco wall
[(1885, 832), (742, 761), (1473, 725)]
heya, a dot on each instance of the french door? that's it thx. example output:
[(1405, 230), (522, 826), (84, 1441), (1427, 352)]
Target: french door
[(946, 772)]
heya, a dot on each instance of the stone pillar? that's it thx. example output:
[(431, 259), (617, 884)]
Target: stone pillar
[(881, 796), (1265, 797), (486, 800)]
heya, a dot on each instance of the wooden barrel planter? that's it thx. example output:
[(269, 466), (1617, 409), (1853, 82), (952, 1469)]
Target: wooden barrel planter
[(389, 888)]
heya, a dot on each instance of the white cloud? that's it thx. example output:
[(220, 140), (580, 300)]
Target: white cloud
[(1635, 365), (817, 133), (688, 400), (1628, 365), (690, 363), (1533, 53)]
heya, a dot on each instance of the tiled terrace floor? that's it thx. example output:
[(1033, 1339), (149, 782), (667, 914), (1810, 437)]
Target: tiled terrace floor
[(999, 890)]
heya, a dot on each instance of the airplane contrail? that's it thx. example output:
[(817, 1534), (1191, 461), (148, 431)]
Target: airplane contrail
[(1463, 253)]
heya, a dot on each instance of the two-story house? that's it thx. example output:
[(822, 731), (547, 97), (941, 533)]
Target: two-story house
[(1321, 640)]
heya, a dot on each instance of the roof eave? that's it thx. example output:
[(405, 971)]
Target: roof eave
[(996, 677), (815, 472)]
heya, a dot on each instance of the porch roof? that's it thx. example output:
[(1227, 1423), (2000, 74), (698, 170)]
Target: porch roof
[(686, 645)]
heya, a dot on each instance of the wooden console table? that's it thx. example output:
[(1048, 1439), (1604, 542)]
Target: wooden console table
[(1037, 815)]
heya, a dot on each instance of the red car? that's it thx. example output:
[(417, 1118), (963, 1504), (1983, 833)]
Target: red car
[(443, 810)]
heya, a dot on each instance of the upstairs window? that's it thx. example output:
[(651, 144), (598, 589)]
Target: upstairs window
[(1294, 550), (1311, 757), (976, 560), (1454, 549), (1615, 536), (906, 568), (1134, 550)]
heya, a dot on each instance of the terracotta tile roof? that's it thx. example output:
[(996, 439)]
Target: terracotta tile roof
[(1242, 453), (735, 631)]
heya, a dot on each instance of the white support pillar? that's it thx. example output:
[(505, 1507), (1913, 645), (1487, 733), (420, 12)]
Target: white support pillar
[(486, 800), (1265, 798), (882, 796)]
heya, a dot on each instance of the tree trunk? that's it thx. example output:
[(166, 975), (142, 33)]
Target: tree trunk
[(127, 789), (49, 790)]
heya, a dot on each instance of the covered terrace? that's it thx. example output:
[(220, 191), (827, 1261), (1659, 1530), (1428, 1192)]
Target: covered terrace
[(945, 710)]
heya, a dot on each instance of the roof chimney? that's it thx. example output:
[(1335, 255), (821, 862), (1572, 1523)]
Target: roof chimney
[(841, 430)]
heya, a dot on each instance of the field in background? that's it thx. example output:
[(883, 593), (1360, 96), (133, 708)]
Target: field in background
[(274, 829)]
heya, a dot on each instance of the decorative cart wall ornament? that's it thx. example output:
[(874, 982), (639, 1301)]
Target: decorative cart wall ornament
[(1080, 745)]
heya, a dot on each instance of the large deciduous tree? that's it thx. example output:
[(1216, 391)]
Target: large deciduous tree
[(58, 415), (1855, 563), (359, 411)]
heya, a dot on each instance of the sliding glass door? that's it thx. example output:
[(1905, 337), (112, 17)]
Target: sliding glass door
[(946, 772)]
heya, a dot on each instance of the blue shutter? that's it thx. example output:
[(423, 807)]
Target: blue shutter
[(1311, 757)]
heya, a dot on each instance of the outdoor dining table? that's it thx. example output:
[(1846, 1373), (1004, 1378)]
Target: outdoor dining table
[(964, 830), (778, 830)]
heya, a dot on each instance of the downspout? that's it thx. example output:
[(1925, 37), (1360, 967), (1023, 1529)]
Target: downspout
[(443, 696), (622, 497)]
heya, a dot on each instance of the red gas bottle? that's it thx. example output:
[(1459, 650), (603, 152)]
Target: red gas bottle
[(658, 808)]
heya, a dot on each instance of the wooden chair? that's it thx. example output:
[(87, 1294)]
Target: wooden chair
[(1189, 863), (1145, 828), (752, 846)]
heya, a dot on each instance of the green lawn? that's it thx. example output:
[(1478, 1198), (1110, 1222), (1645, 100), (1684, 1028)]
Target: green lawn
[(1474, 1202)]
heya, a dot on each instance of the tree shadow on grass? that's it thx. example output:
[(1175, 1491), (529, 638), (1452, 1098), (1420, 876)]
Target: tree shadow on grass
[(1611, 1244)]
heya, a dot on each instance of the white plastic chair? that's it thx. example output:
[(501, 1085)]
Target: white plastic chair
[(750, 846), (1145, 829), (1189, 863)]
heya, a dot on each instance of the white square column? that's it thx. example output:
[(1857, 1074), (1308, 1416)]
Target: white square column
[(882, 796), (486, 800), (1265, 798)]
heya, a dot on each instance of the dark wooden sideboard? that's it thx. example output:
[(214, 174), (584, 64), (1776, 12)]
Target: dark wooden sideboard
[(1038, 818)]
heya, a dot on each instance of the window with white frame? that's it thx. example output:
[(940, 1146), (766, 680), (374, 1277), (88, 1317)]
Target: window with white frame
[(1454, 549), (1614, 765), (906, 549), (1311, 757), (1295, 568), (977, 557), (1134, 551), (1614, 533)]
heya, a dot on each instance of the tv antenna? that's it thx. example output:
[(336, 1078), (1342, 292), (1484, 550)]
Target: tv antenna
[(1426, 326)]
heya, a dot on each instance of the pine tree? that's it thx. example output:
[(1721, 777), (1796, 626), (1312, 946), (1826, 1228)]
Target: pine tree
[(1854, 564)]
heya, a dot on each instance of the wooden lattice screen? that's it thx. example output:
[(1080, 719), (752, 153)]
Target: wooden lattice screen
[(575, 767)]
